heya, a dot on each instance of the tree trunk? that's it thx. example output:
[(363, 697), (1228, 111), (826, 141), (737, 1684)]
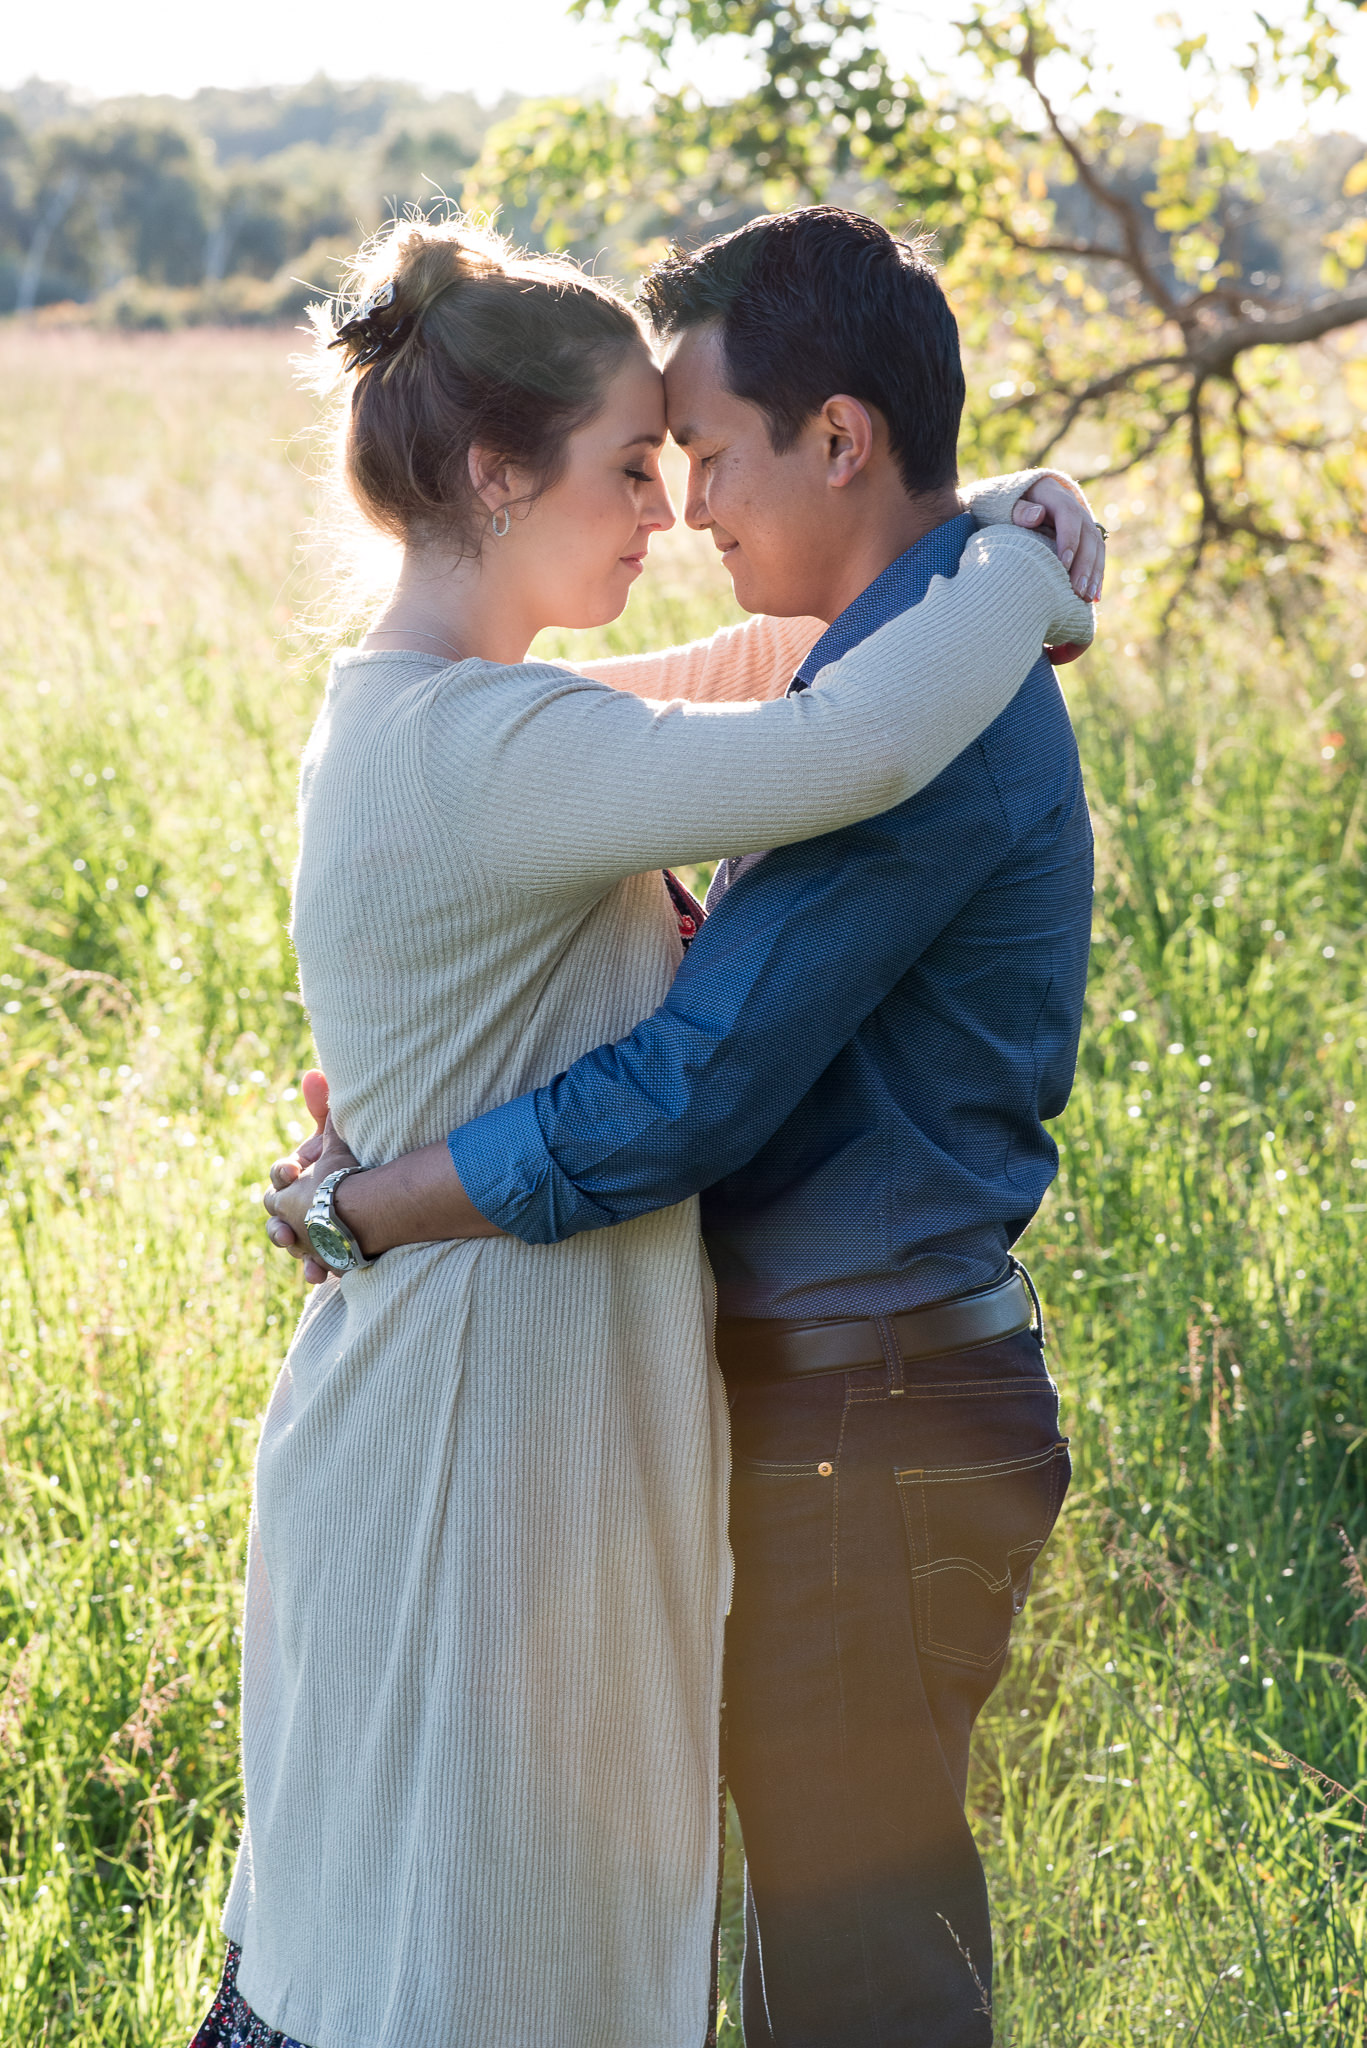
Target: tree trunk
[(59, 204)]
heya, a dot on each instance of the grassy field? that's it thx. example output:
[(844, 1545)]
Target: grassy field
[(1168, 1783)]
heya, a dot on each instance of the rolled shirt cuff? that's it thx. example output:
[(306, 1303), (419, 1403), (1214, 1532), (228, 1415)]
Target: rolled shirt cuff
[(506, 1169)]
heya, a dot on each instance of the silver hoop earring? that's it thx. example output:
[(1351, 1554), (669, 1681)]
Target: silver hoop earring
[(506, 516)]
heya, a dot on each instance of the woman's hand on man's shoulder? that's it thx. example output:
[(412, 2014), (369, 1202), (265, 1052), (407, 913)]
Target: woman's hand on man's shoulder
[(1056, 505)]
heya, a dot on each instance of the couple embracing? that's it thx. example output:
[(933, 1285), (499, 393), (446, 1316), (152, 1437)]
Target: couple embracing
[(489, 1566)]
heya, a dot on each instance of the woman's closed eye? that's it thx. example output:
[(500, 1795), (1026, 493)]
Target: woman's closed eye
[(640, 476)]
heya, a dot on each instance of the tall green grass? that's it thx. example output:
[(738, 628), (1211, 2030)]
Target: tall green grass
[(1178, 1762), (1167, 1783)]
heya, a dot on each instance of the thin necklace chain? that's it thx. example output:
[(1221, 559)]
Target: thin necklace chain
[(408, 633)]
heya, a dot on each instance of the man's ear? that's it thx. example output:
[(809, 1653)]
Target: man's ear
[(849, 431)]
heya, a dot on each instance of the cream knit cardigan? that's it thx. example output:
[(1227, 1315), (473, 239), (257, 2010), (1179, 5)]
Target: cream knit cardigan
[(487, 1565)]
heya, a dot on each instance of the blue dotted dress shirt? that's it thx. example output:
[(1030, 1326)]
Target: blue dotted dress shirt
[(861, 1048)]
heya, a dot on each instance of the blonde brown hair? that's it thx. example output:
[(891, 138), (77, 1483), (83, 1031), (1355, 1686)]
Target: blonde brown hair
[(451, 339)]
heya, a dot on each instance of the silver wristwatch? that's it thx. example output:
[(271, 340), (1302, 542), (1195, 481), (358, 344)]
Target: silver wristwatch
[(331, 1240)]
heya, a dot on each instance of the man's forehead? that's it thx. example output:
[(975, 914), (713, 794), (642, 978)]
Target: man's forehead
[(697, 400)]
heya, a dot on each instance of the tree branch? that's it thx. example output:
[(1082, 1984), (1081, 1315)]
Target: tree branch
[(1241, 428), (1091, 251), (1215, 523), (1150, 447), (1210, 511), (1214, 354), (1102, 388), (1234, 294), (1122, 209)]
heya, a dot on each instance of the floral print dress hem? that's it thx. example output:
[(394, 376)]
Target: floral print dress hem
[(230, 2021)]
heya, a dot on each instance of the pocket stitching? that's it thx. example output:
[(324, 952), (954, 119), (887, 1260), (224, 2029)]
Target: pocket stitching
[(967, 1389), (922, 1574), (766, 1469), (949, 1475)]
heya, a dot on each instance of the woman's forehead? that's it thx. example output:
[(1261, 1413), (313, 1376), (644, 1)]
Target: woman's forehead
[(633, 409)]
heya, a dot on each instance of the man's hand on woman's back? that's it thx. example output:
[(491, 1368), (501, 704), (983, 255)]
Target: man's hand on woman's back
[(415, 1199), (294, 1181)]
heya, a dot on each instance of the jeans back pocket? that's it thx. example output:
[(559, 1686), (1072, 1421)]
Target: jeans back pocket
[(974, 1532)]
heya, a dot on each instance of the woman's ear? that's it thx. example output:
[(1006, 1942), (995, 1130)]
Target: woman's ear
[(492, 479), (848, 427)]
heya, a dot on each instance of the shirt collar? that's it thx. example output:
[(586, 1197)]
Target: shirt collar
[(902, 584)]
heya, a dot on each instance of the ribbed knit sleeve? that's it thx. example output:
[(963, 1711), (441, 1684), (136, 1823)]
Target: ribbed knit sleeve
[(738, 663), (993, 500), (574, 783)]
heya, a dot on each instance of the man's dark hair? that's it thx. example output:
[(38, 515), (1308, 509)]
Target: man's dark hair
[(822, 301)]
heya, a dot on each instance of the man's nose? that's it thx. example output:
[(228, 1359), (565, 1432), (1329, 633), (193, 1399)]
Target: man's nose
[(696, 513)]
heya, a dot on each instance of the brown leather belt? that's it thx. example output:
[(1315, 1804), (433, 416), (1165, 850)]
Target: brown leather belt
[(755, 1348)]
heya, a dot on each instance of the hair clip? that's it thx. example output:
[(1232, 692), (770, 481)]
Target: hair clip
[(363, 327)]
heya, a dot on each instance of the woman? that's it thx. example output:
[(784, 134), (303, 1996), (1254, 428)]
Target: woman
[(487, 1565)]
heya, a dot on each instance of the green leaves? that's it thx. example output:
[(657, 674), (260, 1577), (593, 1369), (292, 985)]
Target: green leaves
[(1113, 274), (827, 98)]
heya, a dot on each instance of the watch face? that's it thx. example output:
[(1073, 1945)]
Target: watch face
[(332, 1247)]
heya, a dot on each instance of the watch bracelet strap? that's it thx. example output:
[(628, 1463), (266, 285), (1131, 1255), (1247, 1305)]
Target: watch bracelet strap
[(336, 1222)]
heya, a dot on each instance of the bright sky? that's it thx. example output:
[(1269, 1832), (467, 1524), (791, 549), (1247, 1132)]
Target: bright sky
[(530, 46)]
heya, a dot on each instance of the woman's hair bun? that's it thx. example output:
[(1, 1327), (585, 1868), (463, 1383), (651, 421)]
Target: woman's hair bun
[(458, 340), (394, 281)]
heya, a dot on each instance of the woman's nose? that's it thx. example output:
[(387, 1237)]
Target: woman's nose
[(660, 514)]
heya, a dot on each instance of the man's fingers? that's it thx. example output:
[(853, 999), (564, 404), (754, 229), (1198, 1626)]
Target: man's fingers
[(270, 1202), (315, 1273), (315, 1088), (284, 1240), (324, 1139), (315, 1091), (283, 1172), (314, 1146)]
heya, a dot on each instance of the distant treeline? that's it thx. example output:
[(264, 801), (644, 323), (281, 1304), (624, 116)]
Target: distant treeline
[(152, 201), (153, 210)]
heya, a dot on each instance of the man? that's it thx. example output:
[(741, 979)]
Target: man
[(854, 1067)]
